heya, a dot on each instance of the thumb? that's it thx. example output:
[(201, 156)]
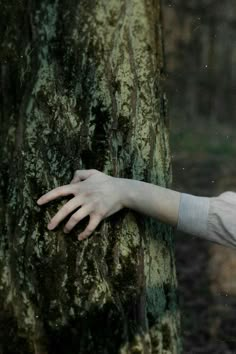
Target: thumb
[(81, 175)]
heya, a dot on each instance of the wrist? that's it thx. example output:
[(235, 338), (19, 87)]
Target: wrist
[(125, 192), (158, 202)]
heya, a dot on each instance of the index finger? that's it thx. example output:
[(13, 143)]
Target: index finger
[(56, 193)]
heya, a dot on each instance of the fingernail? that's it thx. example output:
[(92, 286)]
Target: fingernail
[(38, 201), (50, 226)]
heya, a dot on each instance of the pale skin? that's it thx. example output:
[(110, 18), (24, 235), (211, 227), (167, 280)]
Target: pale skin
[(100, 195)]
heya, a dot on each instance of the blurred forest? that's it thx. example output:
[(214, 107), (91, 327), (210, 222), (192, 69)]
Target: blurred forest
[(201, 85)]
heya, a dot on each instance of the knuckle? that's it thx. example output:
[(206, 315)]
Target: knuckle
[(59, 191), (100, 213), (65, 209), (96, 214), (60, 188), (55, 192), (74, 218), (87, 194), (74, 189), (95, 204)]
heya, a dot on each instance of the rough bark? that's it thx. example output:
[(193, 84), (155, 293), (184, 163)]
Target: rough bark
[(82, 88)]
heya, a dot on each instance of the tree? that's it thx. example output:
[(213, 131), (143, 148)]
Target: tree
[(200, 55), (82, 88)]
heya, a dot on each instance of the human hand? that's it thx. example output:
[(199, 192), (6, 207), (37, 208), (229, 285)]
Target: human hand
[(99, 195)]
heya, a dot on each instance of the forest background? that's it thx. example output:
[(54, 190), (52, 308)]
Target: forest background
[(201, 64)]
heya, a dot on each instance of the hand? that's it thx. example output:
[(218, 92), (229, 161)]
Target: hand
[(98, 195)]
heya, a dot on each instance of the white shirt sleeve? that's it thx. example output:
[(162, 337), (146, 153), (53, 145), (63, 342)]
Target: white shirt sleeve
[(211, 218)]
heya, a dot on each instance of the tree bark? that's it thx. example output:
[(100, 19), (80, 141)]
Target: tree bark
[(82, 88)]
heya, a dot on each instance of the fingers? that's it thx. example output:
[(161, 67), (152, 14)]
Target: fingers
[(76, 217), (74, 203), (55, 193), (93, 223), (64, 211), (81, 175)]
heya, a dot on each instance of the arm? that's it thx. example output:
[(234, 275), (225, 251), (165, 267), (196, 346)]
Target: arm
[(211, 218), (187, 212), (152, 200), (100, 196)]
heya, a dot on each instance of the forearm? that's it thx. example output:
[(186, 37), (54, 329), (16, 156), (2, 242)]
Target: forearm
[(152, 200), (211, 218)]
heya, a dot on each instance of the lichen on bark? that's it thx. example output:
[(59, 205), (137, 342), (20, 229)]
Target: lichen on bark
[(90, 96)]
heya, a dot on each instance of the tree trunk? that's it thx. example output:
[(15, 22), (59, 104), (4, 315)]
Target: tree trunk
[(82, 88)]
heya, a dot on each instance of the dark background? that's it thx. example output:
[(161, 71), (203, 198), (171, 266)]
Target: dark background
[(200, 47)]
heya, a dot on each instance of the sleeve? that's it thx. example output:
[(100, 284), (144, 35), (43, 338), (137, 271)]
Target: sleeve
[(211, 218), (222, 219)]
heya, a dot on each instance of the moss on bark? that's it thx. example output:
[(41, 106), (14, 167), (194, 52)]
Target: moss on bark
[(88, 94)]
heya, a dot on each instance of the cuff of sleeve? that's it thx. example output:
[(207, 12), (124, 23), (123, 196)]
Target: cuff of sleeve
[(193, 215)]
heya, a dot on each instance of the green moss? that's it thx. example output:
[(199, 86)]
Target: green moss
[(92, 102)]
